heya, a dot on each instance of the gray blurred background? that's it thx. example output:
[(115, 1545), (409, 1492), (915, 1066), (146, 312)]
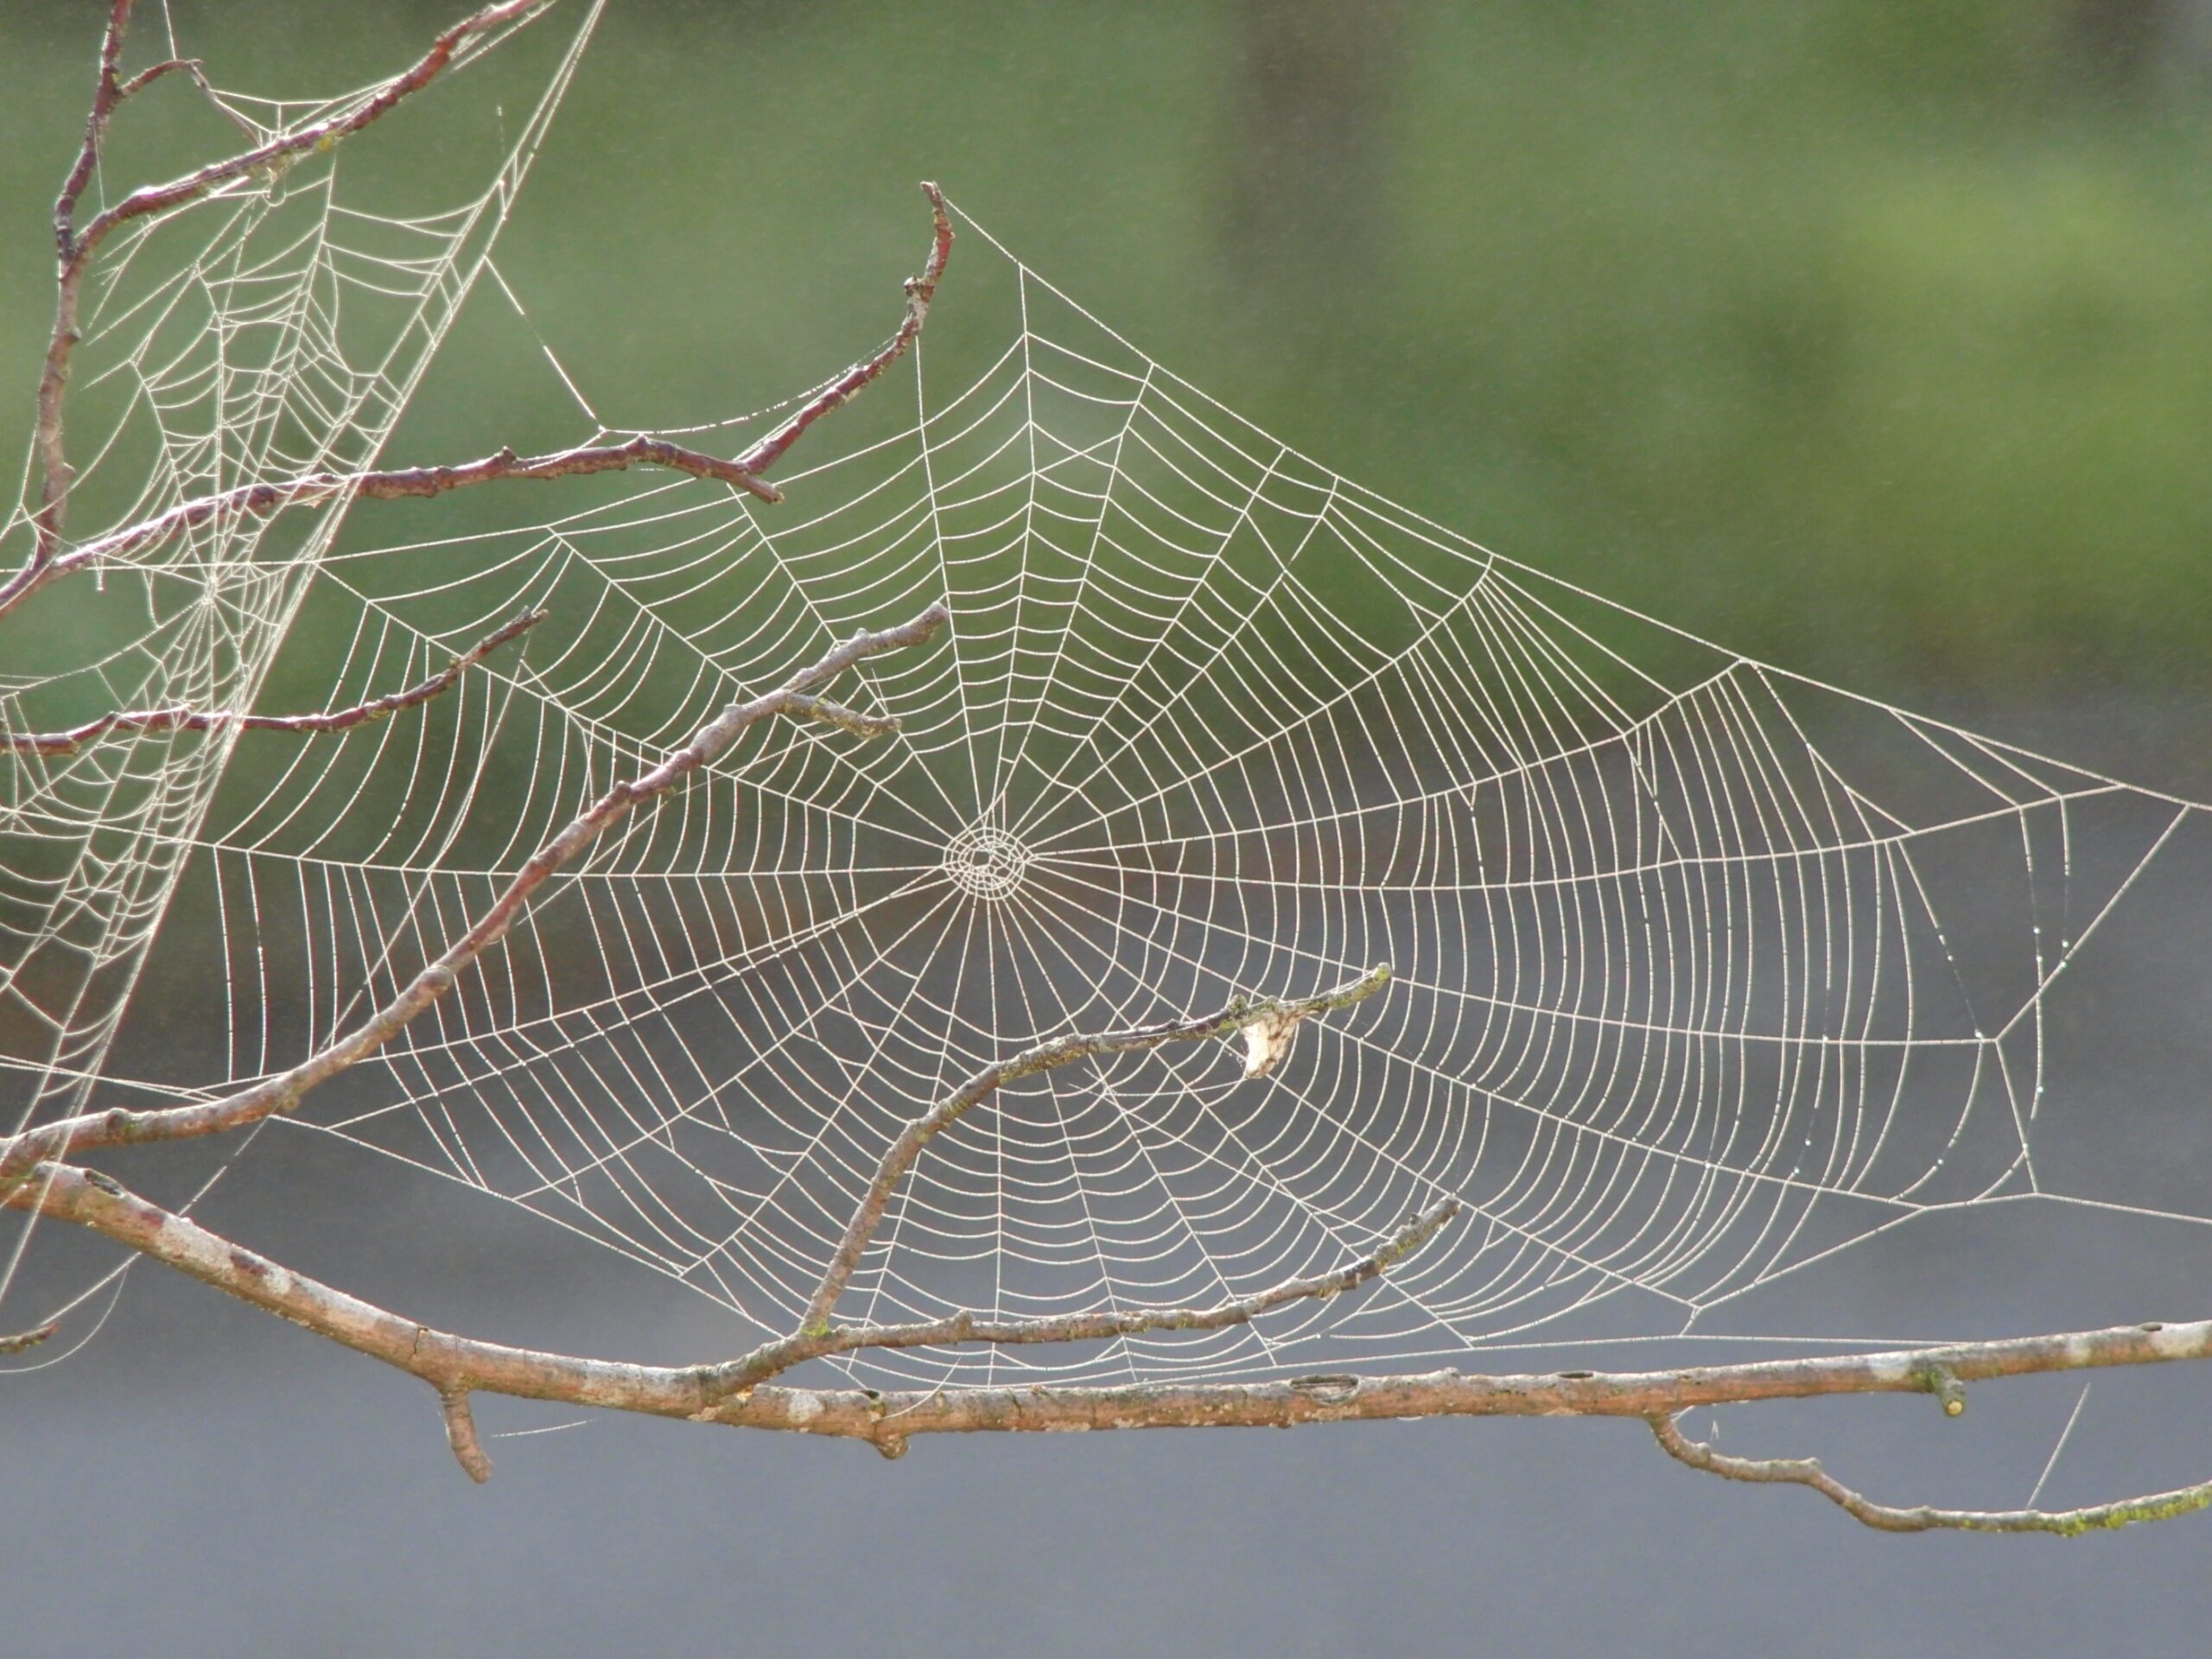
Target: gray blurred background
[(1874, 339)]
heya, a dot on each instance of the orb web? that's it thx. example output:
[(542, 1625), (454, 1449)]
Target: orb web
[(1704, 973)]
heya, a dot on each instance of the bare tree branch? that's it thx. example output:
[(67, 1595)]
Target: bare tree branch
[(284, 1092), (154, 199), (920, 290), (108, 91), (887, 1420), (179, 719), (1884, 1517), (75, 249), (54, 377), (739, 1392)]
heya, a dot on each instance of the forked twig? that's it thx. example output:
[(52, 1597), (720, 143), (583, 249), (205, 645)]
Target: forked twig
[(180, 719), (75, 249), (1885, 1517), (899, 1157), (966, 1326), (258, 500)]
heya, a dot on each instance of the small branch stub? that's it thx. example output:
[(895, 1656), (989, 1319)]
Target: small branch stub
[(1951, 1394), (461, 1435)]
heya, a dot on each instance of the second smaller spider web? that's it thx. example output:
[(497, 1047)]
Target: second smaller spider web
[(1704, 975)]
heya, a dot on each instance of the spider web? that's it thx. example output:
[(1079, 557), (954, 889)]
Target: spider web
[(1704, 973), (274, 327)]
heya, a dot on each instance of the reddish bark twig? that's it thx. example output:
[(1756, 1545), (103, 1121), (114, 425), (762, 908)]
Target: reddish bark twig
[(333, 720), (920, 290), (198, 71), (49, 560), (317, 489)]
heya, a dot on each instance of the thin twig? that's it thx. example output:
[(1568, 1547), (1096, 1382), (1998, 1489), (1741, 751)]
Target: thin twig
[(198, 71), (317, 489), (1885, 1517), (154, 198), (75, 249), (283, 1092), (920, 290), (771, 1358), (108, 91), (899, 1157), (333, 720), (24, 1341), (94, 1201), (54, 376)]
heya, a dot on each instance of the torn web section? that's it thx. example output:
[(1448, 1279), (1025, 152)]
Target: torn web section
[(270, 328)]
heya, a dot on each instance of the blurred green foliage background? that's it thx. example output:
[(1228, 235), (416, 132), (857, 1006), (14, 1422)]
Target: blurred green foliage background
[(1871, 337)]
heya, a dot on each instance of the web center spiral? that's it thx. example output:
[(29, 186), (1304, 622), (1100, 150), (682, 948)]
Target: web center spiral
[(985, 860)]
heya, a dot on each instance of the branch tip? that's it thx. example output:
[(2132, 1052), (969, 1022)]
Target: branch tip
[(1944, 1383), (920, 289), (24, 1341)]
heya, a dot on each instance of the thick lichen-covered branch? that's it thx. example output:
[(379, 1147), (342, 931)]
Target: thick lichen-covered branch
[(182, 719), (284, 1092), (888, 1420)]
